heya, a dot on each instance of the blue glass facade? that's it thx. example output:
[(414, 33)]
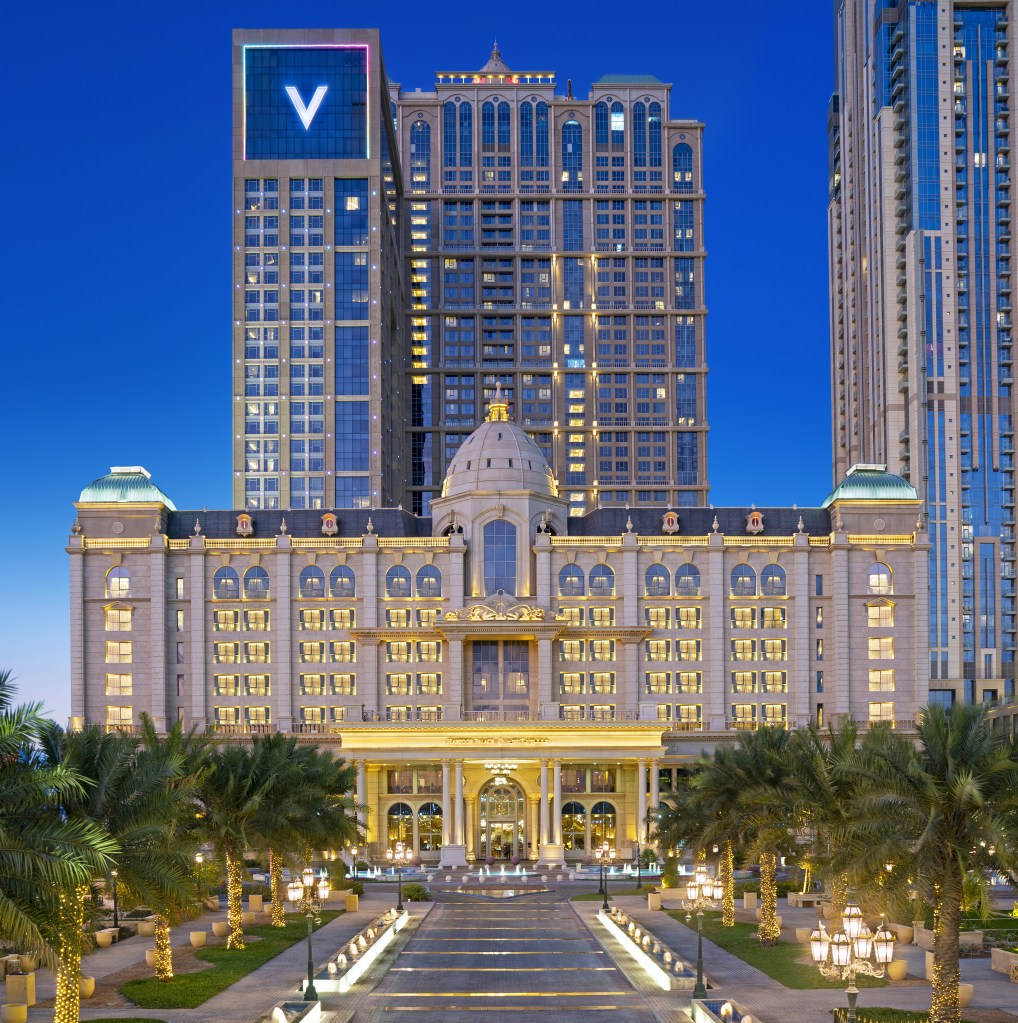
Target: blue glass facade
[(282, 85)]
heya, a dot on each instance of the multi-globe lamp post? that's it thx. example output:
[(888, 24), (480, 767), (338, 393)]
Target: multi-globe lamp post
[(605, 855), (851, 950), (308, 894), (398, 857), (114, 873), (702, 893)]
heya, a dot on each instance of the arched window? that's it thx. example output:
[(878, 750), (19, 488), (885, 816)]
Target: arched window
[(654, 122), (503, 127), (526, 134), (743, 581), (401, 823), (226, 584), (449, 134), (499, 557), (602, 581), (118, 582), (312, 582), (429, 582), (466, 135), (602, 824), (658, 581), (880, 580), (342, 582), (687, 581), (543, 149), (420, 156), (256, 583), (397, 582), (772, 581), (488, 127), (572, 156), (601, 127), (639, 134), (618, 127), (682, 168), (571, 582), (429, 827), (574, 827)]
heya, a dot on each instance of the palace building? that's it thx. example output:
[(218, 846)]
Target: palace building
[(508, 679)]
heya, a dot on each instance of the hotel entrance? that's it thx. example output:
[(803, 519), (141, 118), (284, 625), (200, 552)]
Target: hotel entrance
[(502, 821)]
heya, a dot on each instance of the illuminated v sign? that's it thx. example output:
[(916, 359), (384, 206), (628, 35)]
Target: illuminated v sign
[(306, 113)]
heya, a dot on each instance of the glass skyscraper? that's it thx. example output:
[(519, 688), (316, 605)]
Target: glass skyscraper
[(920, 222), (399, 254)]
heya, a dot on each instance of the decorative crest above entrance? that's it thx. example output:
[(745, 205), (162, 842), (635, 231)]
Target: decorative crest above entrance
[(501, 607)]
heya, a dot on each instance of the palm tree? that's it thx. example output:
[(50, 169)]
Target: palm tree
[(42, 853), (130, 794), (937, 811)]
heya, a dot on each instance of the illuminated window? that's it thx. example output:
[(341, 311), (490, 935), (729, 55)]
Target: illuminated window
[(689, 682), (258, 653), (499, 557), (312, 582), (880, 616), (571, 650), (743, 681), (400, 713), (225, 621), (602, 617), (226, 653), (602, 824), (571, 712), (744, 716), (429, 684), (256, 621), (343, 652), (397, 617), (743, 649), (397, 685), (688, 649), (602, 581), (689, 717), (574, 827), (657, 617), (430, 650), (881, 680), (119, 685), (338, 715), (429, 827), (227, 715), (571, 682), (400, 821), (119, 718), (258, 717), (571, 582), (118, 619), (882, 713), (226, 584), (657, 682), (256, 685), (427, 617), (881, 648), (343, 618), (601, 712), (772, 581), (118, 582), (773, 618), (118, 652), (602, 649), (687, 618), (657, 649), (226, 685), (743, 617), (312, 619), (664, 712), (819, 650), (774, 681), (658, 582), (602, 682), (256, 583), (344, 685), (397, 582), (572, 615), (342, 582), (429, 582), (880, 579), (774, 650), (774, 714), (398, 651), (743, 581), (687, 581), (312, 685)]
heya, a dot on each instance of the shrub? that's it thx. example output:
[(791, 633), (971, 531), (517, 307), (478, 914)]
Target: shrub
[(670, 873), (414, 892), (356, 887), (362, 864)]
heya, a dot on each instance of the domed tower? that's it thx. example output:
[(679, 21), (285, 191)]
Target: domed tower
[(497, 492)]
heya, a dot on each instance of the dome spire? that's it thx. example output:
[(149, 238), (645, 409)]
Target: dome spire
[(498, 407), (495, 64)]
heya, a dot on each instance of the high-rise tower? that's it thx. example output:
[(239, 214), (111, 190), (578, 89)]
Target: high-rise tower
[(921, 257)]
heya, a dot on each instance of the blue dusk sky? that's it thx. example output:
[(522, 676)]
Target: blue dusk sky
[(117, 244)]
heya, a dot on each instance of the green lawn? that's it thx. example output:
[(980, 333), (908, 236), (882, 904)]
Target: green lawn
[(189, 990), (777, 961), (589, 897), (867, 1015)]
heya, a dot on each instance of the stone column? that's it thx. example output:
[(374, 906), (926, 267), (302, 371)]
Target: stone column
[(470, 817), (362, 797), (655, 785), (544, 836), (533, 824), (458, 806), (455, 853), (556, 783), (446, 806), (414, 835), (550, 852), (641, 797)]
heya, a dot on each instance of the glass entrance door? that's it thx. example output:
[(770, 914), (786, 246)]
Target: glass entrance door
[(502, 821)]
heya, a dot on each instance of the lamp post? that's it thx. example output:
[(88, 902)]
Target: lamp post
[(114, 873), (702, 893), (308, 894), (353, 861), (605, 856), (398, 856), (852, 949)]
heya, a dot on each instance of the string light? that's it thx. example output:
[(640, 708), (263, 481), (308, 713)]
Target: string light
[(727, 886), (234, 903), (276, 881), (769, 930), (164, 950), (67, 1005)]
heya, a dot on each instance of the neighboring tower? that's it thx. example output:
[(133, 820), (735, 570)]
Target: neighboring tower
[(556, 249), (921, 258), (318, 302)]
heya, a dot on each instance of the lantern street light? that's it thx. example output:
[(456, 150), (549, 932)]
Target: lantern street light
[(398, 856), (114, 873), (852, 949), (308, 894), (702, 893), (605, 857)]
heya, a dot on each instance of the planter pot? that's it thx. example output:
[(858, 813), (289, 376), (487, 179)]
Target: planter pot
[(903, 933), (86, 986), (965, 992), (220, 928), (13, 1012), (802, 935), (653, 900), (198, 938), (247, 917), (212, 904), (749, 900), (103, 939), (897, 969), (150, 957), (29, 963), (254, 903), (352, 902), (1003, 961), (929, 966), (146, 928)]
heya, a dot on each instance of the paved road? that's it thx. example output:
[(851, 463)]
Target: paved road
[(522, 960)]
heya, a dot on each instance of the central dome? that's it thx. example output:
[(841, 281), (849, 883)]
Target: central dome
[(499, 456)]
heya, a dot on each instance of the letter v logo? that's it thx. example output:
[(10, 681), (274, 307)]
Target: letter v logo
[(306, 113)]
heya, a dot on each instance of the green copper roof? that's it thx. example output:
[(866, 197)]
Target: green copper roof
[(871, 483), (628, 80), (125, 484)]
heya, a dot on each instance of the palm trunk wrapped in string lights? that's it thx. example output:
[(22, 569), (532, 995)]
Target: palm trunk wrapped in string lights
[(67, 1006), (278, 894), (769, 931), (839, 895), (234, 900), (726, 872), (164, 949)]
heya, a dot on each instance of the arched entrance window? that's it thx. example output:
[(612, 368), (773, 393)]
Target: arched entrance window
[(429, 827), (401, 824), (502, 811), (602, 824), (574, 827)]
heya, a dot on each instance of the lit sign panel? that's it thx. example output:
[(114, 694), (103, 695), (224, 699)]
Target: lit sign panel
[(305, 102)]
